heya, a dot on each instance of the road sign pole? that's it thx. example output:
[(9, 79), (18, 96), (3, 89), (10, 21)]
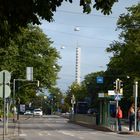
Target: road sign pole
[(117, 104), (3, 105), (136, 96), (117, 100)]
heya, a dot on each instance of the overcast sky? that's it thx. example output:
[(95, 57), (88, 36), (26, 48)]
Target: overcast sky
[(96, 33)]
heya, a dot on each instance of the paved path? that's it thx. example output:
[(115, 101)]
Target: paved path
[(9, 131)]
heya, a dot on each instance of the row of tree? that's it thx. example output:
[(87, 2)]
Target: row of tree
[(30, 48), (15, 14)]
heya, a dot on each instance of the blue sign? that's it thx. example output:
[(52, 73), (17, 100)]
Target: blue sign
[(117, 97), (99, 80)]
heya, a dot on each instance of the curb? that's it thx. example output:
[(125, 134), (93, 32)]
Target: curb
[(104, 129), (96, 127), (129, 133)]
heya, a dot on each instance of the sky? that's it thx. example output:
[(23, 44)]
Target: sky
[(96, 32)]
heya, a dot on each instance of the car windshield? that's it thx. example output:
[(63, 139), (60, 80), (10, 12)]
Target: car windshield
[(37, 110)]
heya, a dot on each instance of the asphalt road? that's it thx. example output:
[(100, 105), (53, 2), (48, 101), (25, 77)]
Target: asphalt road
[(58, 128)]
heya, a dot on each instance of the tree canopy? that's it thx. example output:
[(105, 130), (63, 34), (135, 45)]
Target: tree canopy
[(20, 13), (126, 52), (31, 48)]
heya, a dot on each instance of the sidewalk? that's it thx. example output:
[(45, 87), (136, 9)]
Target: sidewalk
[(10, 130), (125, 128)]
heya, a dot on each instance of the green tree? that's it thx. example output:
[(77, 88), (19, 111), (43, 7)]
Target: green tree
[(15, 13), (31, 48), (126, 52), (78, 91), (93, 88)]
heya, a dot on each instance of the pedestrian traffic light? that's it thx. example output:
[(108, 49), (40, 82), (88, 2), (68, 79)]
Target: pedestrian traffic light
[(121, 87), (118, 86)]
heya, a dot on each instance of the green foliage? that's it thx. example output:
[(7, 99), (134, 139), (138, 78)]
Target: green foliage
[(31, 48), (126, 52), (104, 5), (78, 91), (65, 107), (92, 87), (15, 14)]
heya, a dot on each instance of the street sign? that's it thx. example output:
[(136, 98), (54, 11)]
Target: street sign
[(29, 73), (111, 92), (7, 91), (7, 76), (22, 108), (99, 80), (117, 97), (101, 95)]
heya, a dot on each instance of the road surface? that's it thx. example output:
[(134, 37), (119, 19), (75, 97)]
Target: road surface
[(57, 128)]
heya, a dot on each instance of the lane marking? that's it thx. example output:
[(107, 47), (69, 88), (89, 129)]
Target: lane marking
[(66, 133), (40, 134), (81, 138), (22, 135)]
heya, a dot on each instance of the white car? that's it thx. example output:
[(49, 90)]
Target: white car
[(28, 112), (37, 112)]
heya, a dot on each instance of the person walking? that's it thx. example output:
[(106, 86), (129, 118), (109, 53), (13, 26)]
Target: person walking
[(119, 116), (138, 119), (14, 110), (131, 116)]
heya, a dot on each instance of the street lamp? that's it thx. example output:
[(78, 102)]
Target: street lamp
[(77, 28)]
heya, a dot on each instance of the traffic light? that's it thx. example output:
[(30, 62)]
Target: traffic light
[(121, 87), (118, 86)]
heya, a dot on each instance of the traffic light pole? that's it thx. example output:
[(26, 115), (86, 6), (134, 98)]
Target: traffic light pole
[(117, 91)]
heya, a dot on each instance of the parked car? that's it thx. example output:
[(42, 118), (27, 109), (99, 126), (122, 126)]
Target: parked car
[(28, 112), (38, 112), (92, 111)]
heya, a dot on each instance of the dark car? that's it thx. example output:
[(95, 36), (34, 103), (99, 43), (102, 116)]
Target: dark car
[(92, 111)]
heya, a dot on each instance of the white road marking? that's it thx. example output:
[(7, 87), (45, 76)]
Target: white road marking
[(22, 135), (45, 133), (40, 134), (66, 133), (81, 138)]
